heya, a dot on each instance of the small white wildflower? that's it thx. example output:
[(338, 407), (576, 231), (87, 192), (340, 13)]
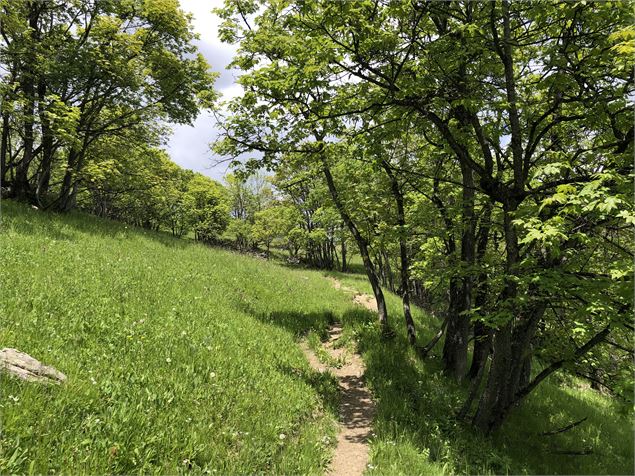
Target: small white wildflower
[(282, 436), (212, 374), (168, 360), (93, 381)]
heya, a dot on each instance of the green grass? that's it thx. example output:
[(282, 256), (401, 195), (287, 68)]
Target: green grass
[(184, 359), (179, 357)]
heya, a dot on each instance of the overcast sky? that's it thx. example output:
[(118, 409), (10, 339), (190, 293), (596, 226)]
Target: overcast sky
[(189, 145)]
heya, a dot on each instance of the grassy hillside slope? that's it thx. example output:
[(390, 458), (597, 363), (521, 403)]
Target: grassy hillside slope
[(173, 359), (183, 358)]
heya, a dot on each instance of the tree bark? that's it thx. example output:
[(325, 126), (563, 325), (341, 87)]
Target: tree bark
[(361, 244), (482, 348), (482, 333), (65, 201), (456, 338), (47, 147), (403, 254), (456, 342), (496, 395)]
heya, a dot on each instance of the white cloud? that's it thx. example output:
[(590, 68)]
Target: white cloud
[(189, 145), (231, 92)]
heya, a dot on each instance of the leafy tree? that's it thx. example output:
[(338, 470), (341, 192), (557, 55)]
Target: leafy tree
[(83, 71), (275, 222), (526, 107)]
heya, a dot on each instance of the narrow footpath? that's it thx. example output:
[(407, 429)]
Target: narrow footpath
[(357, 407)]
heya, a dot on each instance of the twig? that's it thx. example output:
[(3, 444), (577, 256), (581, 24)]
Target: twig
[(586, 451), (564, 428)]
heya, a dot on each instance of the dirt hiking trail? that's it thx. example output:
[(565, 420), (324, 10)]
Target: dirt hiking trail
[(365, 300), (357, 407)]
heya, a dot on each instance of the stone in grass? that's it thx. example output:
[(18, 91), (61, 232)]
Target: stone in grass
[(27, 368)]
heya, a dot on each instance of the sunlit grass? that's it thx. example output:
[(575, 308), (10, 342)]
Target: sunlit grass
[(178, 357)]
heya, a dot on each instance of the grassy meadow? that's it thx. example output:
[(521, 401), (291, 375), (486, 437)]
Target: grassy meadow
[(183, 359), (179, 358)]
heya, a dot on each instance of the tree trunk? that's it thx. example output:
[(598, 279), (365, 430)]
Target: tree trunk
[(456, 338), (482, 348), (482, 333), (456, 342), (66, 199), (498, 393), (403, 254), (361, 244), (4, 147), (343, 247), (47, 148), (21, 187), (495, 397)]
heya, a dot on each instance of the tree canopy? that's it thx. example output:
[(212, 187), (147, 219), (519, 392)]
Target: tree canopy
[(507, 125)]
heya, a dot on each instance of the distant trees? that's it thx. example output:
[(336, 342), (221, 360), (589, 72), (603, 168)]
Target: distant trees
[(142, 186), (484, 150), (289, 211)]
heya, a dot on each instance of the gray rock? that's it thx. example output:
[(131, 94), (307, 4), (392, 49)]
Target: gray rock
[(24, 366)]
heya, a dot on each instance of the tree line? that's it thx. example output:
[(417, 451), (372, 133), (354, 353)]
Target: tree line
[(87, 91), (482, 150)]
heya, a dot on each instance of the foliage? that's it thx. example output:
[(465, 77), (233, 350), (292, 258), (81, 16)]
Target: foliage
[(83, 73), (144, 187), (506, 125)]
